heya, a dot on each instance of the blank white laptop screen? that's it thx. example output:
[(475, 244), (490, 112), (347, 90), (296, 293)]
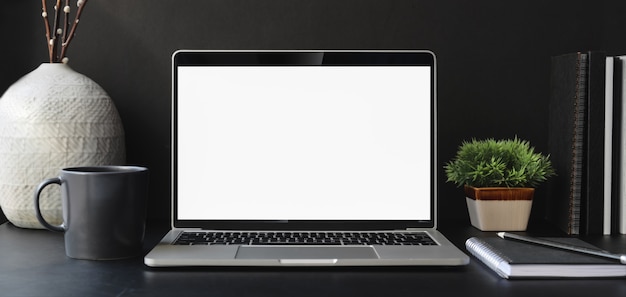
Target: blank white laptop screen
[(303, 143)]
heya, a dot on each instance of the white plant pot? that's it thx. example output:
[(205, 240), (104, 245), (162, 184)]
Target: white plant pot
[(52, 118), (499, 209)]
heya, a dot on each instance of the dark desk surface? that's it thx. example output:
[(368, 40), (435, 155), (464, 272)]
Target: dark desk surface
[(33, 263)]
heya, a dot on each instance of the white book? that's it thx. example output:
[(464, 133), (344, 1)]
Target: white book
[(608, 144)]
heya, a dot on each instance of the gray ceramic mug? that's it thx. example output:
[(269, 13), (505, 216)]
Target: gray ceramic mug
[(104, 210)]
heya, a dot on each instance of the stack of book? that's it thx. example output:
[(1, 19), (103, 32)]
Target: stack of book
[(587, 143)]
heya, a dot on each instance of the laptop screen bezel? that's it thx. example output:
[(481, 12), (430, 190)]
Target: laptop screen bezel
[(304, 58)]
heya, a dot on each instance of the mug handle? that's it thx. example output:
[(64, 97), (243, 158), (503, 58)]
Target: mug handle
[(42, 185)]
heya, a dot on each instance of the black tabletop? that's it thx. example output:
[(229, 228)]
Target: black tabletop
[(33, 263)]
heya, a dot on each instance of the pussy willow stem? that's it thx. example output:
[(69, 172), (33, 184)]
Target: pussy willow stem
[(70, 36), (55, 28), (44, 16), (57, 39), (66, 24)]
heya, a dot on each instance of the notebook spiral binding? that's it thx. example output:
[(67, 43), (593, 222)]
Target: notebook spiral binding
[(485, 254)]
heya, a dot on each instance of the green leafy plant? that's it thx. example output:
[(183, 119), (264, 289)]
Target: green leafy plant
[(498, 163)]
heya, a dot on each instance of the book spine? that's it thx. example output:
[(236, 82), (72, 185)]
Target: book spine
[(486, 254), (621, 204), (593, 176), (578, 145), (608, 144), (618, 131)]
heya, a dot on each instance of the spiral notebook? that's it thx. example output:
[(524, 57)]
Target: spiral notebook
[(514, 259)]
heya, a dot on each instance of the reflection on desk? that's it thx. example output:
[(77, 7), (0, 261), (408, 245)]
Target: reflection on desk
[(33, 263)]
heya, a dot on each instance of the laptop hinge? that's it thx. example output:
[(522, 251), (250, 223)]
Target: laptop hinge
[(417, 229), (187, 229)]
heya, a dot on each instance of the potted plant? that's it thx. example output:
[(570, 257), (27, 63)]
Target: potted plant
[(499, 178)]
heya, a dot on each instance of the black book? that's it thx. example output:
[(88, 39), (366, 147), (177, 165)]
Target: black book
[(576, 135), (616, 154), (514, 259), (620, 202), (566, 130)]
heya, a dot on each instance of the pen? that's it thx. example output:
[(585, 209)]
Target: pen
[(563, 246)]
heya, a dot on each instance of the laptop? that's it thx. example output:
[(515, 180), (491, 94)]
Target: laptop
[(304, 158)]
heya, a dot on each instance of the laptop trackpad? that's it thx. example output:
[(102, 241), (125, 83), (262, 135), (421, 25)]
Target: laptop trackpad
[(329, 252)]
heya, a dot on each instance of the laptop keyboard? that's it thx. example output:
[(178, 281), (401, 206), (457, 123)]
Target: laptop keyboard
[(304, 238)]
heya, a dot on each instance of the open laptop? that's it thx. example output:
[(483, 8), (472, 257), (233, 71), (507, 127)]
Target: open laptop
[(299, 158)]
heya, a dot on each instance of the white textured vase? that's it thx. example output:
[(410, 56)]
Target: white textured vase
[(52, 118)]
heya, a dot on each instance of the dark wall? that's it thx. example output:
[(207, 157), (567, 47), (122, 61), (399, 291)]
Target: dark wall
[(493, 58)]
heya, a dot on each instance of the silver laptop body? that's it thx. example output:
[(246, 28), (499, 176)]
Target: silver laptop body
[(309, 143)]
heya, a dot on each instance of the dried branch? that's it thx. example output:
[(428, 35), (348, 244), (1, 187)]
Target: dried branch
[(55, 29), (58, 39), (66, 24), (81, 5), (44, 15)]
